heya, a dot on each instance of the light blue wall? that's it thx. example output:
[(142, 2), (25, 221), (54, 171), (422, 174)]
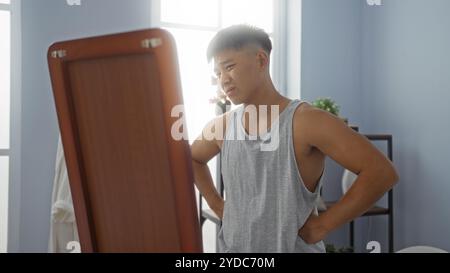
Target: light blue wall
[(331, 67), (406, 91), (388, 66), (45, 22), (331, 53)]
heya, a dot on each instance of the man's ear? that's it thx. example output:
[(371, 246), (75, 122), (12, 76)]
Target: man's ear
[(263, 59)]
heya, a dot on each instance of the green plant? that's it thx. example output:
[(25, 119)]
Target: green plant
[(332, 249), (327, 104)]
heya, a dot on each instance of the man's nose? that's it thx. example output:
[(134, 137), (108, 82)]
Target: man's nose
[(225, 79)]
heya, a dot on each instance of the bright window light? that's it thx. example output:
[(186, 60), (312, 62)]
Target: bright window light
[(5, 64), (4, 178), (5, 42), (195, 77), (253, 12), (192, 12)]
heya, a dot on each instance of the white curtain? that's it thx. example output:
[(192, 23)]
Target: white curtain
[(63, 229)]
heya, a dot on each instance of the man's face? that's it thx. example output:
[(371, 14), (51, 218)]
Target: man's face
[(239, 73)]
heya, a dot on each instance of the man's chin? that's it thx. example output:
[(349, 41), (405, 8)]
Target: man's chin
[(236, 101)]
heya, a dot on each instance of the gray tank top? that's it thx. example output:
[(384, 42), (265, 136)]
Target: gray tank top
[(266, 201)]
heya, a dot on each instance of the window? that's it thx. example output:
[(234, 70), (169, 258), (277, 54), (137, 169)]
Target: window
[(10, 54), (5, 92), (193, 24)]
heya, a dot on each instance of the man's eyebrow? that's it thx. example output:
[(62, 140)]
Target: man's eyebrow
[(226, 61)]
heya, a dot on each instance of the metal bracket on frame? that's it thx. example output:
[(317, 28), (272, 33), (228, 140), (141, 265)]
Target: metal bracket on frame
[(151, 43), (59, 54)]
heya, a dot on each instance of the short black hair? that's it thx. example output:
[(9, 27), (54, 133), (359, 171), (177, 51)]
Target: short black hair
[(236, 37)]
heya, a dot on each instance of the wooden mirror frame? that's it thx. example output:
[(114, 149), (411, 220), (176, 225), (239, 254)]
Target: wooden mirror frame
[(131, 181)]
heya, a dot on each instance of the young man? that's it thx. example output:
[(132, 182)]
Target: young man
[(271, 195)]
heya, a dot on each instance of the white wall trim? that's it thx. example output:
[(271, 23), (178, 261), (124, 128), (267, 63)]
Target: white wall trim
[(155, 18), (279, 55), (16, 113), (294, 49)]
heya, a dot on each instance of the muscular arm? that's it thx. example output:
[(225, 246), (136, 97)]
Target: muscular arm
[(376, 174), (204, 149)]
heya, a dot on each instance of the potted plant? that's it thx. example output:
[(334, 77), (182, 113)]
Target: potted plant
[(329, 105)]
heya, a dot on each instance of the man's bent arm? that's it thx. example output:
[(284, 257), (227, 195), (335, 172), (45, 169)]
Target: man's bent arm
[(202, 151), (376, 174)]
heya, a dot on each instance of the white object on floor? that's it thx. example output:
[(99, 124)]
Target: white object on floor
[(63, 228), (422, 249)]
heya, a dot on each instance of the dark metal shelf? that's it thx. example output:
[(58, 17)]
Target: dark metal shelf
[(376, 210)]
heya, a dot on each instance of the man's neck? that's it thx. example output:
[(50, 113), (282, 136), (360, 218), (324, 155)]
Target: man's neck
[(267, 95)]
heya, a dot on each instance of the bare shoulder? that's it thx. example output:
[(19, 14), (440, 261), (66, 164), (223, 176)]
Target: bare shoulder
[(311, 123), (301, 120), (305, 117), (309, 117), (209, 142), (305, 111), (302, 108)]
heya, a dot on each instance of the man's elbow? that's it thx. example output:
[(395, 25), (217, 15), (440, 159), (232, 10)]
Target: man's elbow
[(385, 173), (197, 160), (391, 176), (194, 154)]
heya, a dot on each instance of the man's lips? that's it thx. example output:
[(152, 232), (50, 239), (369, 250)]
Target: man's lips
[(230, 91)]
